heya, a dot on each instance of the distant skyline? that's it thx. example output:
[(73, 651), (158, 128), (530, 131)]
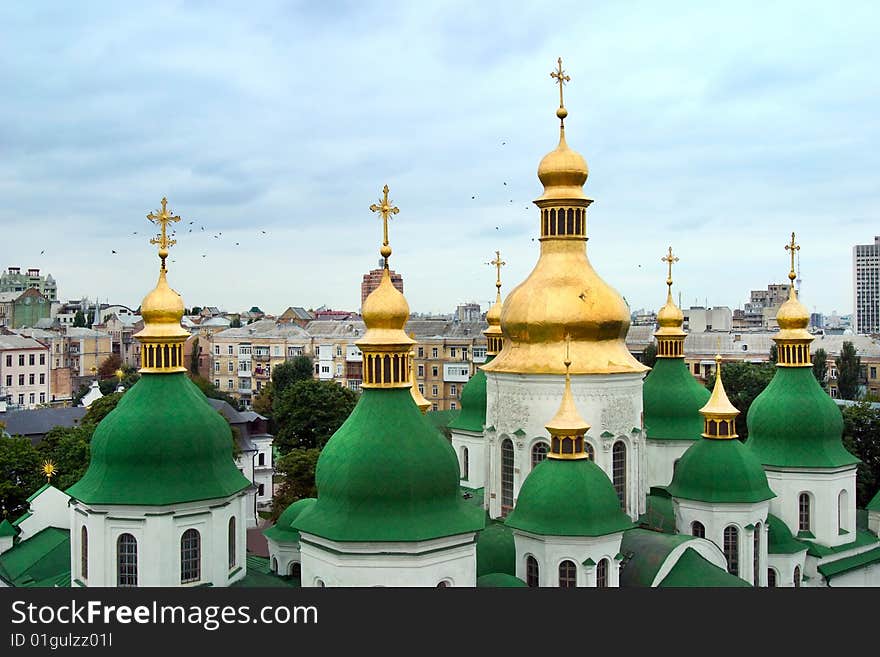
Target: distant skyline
[(274, 126)]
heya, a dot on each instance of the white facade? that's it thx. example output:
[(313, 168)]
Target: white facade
[(786, 567), (24, 371), (585, 552), (470, 449), (519, 405), (283, 557), (158, 531), (47, 508), (660, 459), (448, 561), (746, 519), (832, 506)]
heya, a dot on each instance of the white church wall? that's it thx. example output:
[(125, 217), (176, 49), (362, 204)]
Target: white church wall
[(661, 456), (475, 445), (47, 509), (551, 551), (784, 565)]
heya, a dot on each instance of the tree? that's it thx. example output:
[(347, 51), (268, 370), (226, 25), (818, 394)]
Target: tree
[(649, 356), (236, 322), (848, 368), (861, 437), (262, 402), (69, 449), (297, 468), (743, 382), (100, 408), (79, 320), (210, 390), (820, 366), (299, 368), (20, 475), (196, 310), (774, 353), (108, 368), (194, 357), (307, 413)]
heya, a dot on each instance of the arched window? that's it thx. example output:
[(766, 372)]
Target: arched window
[(797, 577), (771, 578), (697, 529), (539, 453), (84, 552), (731, 549), (295, 569), (757, 553), (232, 558), (567, 575), (602, 574), (190, 556), (442, 584), (274, 565), (319, 583), (126, 560), (591, 453), (506, 476), (465, 464), (618, 471), (804, 512), (531, 571), (842, 510)]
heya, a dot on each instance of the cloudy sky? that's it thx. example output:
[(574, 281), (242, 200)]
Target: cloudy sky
[(716, 128)]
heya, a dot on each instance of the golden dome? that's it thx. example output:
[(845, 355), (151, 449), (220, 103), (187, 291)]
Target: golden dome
[(563, 172), (793, 315), (670, 318), (718, 413), (568, 420), (385, 313), (493, 315), (162, 309)]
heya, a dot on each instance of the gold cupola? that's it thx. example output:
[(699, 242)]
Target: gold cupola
[(719, 415), (563, 294), (793, 340), (567, 428), (494, 336), (670, 319), (162, 309), (385, 346)]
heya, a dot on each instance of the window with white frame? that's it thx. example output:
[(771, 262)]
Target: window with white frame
[(190, 556)]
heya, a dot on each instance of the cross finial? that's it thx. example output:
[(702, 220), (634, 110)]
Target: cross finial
[(385, 209), (49, 470), (498, 263), (792, 247), (669, 259), (561, 78), (162, 218)]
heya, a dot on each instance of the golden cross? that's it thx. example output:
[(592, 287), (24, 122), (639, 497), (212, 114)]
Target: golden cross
[(49, 470), (792, 247), (560, 77), (385, 209), (498, 263), (669, 259), (162, 218)]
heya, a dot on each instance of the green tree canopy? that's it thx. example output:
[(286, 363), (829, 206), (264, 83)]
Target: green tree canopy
[(307, 413), (649, 356), (774, 353), (743, 382), (262, 401), (210, 390), (298, 368), (820, 366), (849, 366), (101, 407), (79, 320), (861, 437), (68, 448), (108, 367), (20, 475), (297, 470)]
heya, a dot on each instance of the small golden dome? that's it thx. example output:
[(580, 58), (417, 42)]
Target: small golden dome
[(493, 315), (568, 420), (385, 307), (563, 172), (793, 315), (670, 315), (719, 405), (162, 309)]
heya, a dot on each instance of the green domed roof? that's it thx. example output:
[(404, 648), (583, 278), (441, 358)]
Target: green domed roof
[(283, 531), (672, 400), (568, 498), (500, 580), (719, 470), (473, 404), (874, 504), (779, 538), (162, 444), (496, 550), (794, 423), (388, 475)]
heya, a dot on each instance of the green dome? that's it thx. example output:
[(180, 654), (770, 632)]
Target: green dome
[(473, 405), (496, 550), (500, 580), (568, 498), (794, 423), (672, 400), (282, 531), (388, 475), (779, 538), (162, 444), (719, 470)]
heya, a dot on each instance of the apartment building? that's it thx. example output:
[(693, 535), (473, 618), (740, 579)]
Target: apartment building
[(13, 280), (60, 375), (866, 287), (86, 350), (24, 371)]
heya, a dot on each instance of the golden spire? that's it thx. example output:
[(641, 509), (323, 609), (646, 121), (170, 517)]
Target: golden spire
[(417, 395), (385, 345), (567, 428), (561, 78), (494, 336), (670, 336), (162, 309), (386, 209), (793, 340), (49, 470), (719, 415)]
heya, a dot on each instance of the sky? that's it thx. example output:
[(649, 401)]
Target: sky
[(716, 128)]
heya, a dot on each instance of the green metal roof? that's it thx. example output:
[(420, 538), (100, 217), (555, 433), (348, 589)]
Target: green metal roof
[(693, 570), (672, 400), (282, 531), (794, 423), (496, 550), (7, 530), (43, 560), (568, 498), (780, 539), (861, 539), (260, 575), (162, 444), (847, 564), (388, 475), (647, 551), (500, 580), (720, 471), (874, 504), (473, 404), (659, 513)]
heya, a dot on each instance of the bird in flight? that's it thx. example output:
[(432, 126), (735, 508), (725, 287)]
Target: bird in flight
[(112, 251), (42, 252)]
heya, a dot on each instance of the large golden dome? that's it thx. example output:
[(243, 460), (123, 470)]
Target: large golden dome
[(162, 309)]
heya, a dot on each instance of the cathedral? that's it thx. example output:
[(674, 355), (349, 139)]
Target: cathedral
[(571, 464)]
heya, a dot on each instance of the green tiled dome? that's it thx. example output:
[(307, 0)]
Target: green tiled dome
[(672, 401), (473, 404), (283, 531)]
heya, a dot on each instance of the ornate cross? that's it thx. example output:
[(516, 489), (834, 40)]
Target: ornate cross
[(385, 210), (162, 218), (560, 77), (498, 263), (669, 259), (792, 247), (49, 470)]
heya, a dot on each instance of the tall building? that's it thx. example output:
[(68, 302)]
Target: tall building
[(12, 280), (373, 277), (866, 287)]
